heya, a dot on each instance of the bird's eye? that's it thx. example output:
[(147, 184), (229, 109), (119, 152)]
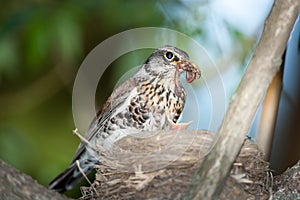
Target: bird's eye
[(169, 55)]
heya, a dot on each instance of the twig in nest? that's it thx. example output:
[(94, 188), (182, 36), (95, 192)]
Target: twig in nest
[(86, 142), (86, 178), (140, 180)]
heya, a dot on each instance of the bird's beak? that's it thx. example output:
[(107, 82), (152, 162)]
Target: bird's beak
[(174, 63), (191, 69)]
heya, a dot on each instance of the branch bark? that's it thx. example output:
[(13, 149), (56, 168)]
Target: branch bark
[(210, 178), (18, 186)]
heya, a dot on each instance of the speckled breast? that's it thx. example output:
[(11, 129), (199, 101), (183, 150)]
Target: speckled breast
[(153, 106)]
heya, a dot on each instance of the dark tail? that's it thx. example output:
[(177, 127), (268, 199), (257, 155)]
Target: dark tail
[(68, 178)]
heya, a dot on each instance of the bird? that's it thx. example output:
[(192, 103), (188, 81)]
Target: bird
[(152, 99)]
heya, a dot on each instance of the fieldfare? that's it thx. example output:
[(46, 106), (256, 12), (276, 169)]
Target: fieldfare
[(151, 100)]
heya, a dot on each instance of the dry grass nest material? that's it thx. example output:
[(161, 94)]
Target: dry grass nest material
[(162, 165)]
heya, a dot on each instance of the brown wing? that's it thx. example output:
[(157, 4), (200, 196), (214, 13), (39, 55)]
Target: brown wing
[(118, 96)]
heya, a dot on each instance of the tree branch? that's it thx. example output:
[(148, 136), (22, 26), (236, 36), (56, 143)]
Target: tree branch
[(18, 186), (210, 178)]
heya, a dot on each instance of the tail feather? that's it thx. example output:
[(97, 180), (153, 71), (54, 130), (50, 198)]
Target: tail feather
[(68, 178)]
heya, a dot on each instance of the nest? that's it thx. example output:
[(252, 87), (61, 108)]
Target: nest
[(162, 166)]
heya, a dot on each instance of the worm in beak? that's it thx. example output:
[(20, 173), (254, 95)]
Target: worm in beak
[(191, 69)]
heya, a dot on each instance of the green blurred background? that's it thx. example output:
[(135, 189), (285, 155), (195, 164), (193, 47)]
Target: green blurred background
[(43, 43)]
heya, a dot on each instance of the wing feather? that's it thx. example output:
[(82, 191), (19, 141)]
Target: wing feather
[(119, 96)]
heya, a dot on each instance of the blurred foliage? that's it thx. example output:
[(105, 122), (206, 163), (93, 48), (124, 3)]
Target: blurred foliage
[(42, 44)]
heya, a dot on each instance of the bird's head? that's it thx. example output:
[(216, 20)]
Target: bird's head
[(170, 62)]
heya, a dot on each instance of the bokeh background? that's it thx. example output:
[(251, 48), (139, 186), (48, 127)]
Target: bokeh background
[(43, 43)]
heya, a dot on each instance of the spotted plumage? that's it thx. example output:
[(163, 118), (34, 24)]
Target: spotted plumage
[(153, 99)]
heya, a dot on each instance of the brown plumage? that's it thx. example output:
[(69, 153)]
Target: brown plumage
[(151, 100)]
